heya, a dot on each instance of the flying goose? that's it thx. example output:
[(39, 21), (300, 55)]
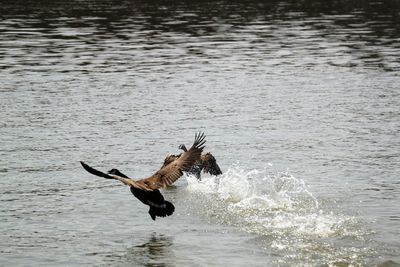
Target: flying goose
[(147, 189), (206, 163)]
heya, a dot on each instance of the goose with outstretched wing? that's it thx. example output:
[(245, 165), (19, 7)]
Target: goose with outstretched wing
[(147, 189), (205, 162)]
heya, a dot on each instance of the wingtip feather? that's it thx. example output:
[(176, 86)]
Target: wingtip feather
[(199, 140)]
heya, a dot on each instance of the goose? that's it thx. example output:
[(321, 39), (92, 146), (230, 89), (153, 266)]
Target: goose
[(147, 189), (206, 163)]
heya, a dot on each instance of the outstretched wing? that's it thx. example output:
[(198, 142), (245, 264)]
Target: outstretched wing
[(210, 164), (124, 180), (171, 172)]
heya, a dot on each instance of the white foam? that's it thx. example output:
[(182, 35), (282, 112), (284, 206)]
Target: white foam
[(282, 212), (263, 202)]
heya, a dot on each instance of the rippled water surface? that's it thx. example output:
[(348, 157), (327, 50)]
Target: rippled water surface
[(299, 101)]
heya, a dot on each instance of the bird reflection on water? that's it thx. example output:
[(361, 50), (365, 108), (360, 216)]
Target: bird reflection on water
[(156, 251)]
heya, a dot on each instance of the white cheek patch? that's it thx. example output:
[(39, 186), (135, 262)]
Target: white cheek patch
[(163, 206)]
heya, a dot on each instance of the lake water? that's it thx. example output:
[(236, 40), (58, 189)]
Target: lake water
[(299, 101)]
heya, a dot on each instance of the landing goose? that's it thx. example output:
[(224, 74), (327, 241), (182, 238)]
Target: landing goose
[(205, 162)]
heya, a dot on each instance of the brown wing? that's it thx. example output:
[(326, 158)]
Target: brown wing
[(170, 173), (125, 180), (168, 159), (210, 164)]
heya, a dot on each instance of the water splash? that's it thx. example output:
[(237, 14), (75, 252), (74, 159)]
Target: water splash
[(281, 209), (264, 202)]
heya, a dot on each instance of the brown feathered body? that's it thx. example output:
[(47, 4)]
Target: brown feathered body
[(147, 189)]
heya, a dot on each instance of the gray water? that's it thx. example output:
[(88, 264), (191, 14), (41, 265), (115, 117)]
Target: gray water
[(299, 101)]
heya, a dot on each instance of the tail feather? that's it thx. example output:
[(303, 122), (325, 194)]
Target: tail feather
[(167, 210), (170, 208)]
